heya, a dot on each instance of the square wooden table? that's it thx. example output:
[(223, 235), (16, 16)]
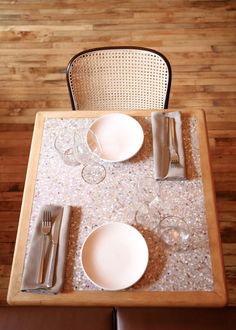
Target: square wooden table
[(209, 297)]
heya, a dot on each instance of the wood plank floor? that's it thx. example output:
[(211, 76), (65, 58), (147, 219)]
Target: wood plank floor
[(37, 39)]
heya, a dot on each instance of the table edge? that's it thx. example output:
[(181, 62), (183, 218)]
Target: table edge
[(218, 297)]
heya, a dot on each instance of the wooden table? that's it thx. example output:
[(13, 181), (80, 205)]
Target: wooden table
[(216, 297)]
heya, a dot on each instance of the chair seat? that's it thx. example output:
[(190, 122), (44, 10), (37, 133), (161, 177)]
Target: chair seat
[(176, 318), (55, 318)]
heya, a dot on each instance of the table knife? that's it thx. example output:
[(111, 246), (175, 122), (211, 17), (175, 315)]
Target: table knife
[(165, 155), (53, 252)]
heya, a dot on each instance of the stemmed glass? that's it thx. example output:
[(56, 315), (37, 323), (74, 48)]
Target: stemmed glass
[(149, 197), (73, 149), (93, 171), (149, 190), (65, 145)]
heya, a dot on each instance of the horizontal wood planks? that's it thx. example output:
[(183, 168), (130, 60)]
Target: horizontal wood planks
[(37, 39)]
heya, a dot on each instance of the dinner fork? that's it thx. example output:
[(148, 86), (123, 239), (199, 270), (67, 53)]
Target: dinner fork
[(174, 156), (45, 230)]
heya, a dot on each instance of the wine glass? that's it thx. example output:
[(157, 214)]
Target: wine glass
[(149, 191), (148, 215), (64, 145), (93, 171), (149, 197), (174, 232)]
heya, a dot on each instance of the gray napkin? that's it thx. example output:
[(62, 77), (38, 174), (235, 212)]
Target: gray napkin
[(162, 168), (31, 269)]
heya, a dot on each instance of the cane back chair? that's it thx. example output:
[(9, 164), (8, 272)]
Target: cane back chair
[(119, 78)]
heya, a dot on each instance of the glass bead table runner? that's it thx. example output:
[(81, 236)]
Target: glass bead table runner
[(116, 198)]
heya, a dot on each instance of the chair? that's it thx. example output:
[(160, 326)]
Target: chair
[(119, 78)]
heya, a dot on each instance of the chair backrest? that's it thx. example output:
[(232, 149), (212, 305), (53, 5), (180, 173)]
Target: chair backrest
[(119, 78)]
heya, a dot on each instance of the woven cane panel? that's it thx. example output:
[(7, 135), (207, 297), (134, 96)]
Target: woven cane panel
[(118, 79)]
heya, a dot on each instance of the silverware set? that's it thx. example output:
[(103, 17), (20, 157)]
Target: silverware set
[(45, 276), (45, 231)]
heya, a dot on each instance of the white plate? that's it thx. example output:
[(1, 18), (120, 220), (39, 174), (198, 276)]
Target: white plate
[(120, 137), (114, 256)]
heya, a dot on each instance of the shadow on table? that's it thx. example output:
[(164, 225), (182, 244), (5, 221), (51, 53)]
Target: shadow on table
[(146, 149), (190, 142), (157, 258), (72, 248)]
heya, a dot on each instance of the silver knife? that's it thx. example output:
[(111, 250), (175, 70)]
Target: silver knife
[(53, 252), (165, 157)]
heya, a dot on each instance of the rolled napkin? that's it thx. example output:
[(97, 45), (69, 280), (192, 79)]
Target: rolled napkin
[(32, 263), (161, 154)]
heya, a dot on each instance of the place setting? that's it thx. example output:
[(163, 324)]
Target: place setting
[(45, 263), (117, 137)]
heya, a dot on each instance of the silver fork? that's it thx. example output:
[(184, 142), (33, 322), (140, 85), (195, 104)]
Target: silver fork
[(45, 230), (174, 156)]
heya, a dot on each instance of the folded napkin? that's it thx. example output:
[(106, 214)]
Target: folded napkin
[(32, 264), (162, 168)]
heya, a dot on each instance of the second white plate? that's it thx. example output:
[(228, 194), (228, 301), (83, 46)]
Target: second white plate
[(114, 256), (118, 135)]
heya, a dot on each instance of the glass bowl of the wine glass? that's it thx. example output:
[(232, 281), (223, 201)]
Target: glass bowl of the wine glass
[(80, 146), (93, 171), (94, 144), (174, 232), (148, 215), (64, 145), (83, 153), (148, 190)]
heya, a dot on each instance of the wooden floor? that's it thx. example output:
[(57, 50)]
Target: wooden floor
[(37, 39)]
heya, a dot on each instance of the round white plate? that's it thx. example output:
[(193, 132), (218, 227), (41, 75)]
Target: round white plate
[(119, 137), (114, 256)]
